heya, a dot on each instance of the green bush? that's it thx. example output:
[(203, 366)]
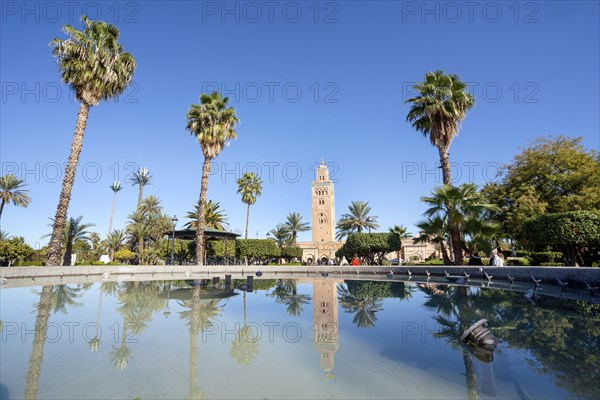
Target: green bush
[(372, 246), (576, 234), (433, 261), (552, 264), (256, 249), (542, 257), (291, 252), (517, 261), (32, 264)]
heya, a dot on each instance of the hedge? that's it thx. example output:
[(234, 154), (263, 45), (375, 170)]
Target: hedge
[(546, 257), (256, 248), (371, 246)]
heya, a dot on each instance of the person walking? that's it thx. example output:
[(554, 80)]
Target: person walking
[(495, 260)]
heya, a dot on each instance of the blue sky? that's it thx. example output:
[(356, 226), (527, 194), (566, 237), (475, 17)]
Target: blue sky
[(308, 80)]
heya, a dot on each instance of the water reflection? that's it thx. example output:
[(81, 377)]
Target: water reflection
[(558, 339)]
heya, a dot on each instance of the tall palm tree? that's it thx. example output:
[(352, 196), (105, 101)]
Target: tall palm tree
[(213, 125), (438, 110), (356, 220), (138, 228), (141, 178), (93, 62), (214, 216), (250, 187), (281, 235), (402, 233), (11, 190), (115, 187), (294, 225), (457, 205)]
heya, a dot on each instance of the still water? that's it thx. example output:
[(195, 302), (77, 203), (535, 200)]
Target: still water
[(307, 339)]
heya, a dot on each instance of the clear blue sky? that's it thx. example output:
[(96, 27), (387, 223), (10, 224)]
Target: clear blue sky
[(533, 68)]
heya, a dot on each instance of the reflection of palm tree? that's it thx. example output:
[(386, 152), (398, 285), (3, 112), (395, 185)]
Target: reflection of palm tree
[(364, 309), (455, 315), (286, 292), (95, 342), (63, 296), (200, 316), (37, 352), (120, 356), (244, 347)]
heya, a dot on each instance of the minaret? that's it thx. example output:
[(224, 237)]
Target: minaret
[(323, 207)]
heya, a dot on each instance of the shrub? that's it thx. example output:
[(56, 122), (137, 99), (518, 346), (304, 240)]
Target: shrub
[(540, 258), (256, 249), (552, 264), (291, 252), (575, 233), (124, 255), (32, 264), (433, 261), (372, 246)]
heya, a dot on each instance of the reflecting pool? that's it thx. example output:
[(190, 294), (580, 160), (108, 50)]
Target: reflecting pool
[(296, 339)]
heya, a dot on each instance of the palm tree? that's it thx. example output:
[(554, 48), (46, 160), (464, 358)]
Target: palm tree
[(357, 220), (11, 189), (141, 178), (213, 125), (402, 233), (441, 105), (250, 187), (114, 242), (74, 231), (457, 205), (281, 235), (214, 216), (4, 235), (294, 225), (295, 301), (93, 62), (115, 187), (138, 227), (435, 230)]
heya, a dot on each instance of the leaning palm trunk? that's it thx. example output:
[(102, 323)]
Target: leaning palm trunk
[(37, 352), (247, 219), (60, 219), (445, 254), (200, 245), (1, 208), (112, 213), (68, 253)]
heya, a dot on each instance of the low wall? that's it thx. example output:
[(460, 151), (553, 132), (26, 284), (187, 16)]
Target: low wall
[(30, 276)]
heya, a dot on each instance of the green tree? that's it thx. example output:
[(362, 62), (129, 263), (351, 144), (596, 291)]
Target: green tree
[(74, 232), (213, 125), (250, 187), (294, 224), (371, 247), (14, 249), (457, 205), (356, 220), (93, 62), (551, 175), (147, 226), (435, 230), (141, 178), (437, 111), (365, 309), (115, 187), (11, 190), (214, 216)]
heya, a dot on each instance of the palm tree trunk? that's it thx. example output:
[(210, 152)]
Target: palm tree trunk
[(67, 256), (200, 245), (140, 196), (445, 255), (60, 219), (445, 162), (194, 331), (247, 219), (456, 244), (37, 352), (1, 207), (141, 248), (112, 213)]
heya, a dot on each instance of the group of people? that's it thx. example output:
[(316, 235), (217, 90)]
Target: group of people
[(495, 259)]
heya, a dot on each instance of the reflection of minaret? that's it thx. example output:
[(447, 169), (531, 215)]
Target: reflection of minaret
[(325, 307)]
